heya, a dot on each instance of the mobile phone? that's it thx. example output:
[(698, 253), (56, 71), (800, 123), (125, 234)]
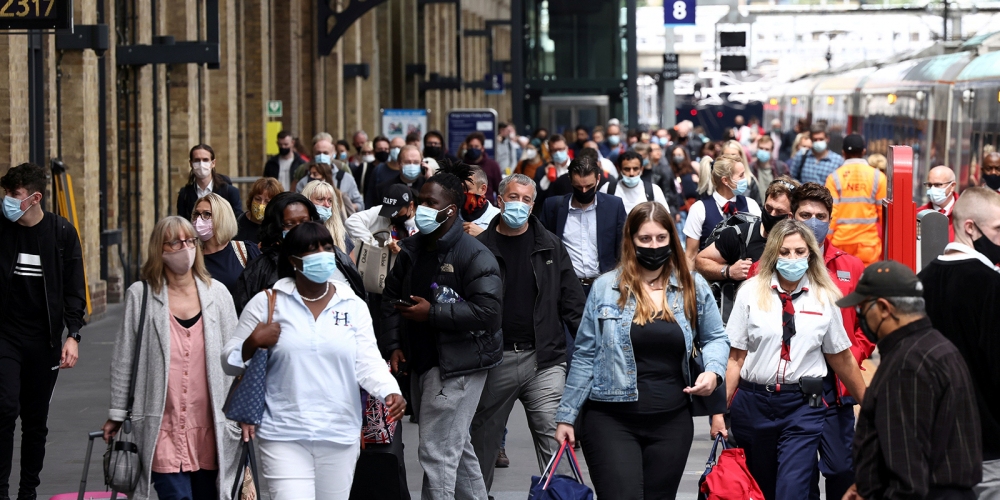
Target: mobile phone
[(403, 302)]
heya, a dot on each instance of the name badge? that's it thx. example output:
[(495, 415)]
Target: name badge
[(844, 275)]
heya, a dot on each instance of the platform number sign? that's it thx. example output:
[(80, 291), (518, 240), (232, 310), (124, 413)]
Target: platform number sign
[(17, 15), (678, 12)]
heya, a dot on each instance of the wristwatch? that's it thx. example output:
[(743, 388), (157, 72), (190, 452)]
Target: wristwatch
[(75, 336), (725, 271)]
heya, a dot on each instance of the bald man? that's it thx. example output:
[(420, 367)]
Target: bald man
[(941, 193), (991, 171)]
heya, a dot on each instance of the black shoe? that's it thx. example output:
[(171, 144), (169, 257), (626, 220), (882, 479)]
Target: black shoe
[(502, 461), (26, 495)]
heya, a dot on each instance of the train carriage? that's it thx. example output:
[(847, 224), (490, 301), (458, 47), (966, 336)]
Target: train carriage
[(975, 117)]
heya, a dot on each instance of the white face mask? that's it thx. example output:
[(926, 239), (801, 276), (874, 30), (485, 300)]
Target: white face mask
[(202, 169), (529, 154), (368, 158)]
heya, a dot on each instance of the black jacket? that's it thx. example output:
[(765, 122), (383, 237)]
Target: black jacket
[(62, 269), (610, 225), (262, 273), (469, 335), (560, 296), (272, 169), (663, 176), (187, 197)]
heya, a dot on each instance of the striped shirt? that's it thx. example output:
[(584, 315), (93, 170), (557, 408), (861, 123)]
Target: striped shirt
[(918, 431), (806, 168)]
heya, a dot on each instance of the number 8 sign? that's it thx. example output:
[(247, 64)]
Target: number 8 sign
[(678, 12)]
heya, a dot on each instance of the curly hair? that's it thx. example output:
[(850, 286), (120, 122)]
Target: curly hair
[(456, 167), (453, 187), (29, 176)]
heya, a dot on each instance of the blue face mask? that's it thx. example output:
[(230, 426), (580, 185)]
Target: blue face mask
[(426, 219), (664, 141), (394, 153), (410, 172), (793, 269), (343, 156), (323, 158), (819, 228), (763, 156), (613, 140), (631, 181), (819, 147), (560, 156), (324, 212), (937, 195), (645, 162), (515, 213), (12, 208), (741, 187), (318, 267), (285, 233)]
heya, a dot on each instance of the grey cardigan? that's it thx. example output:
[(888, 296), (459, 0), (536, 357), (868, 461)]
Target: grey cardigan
[(219, 320)]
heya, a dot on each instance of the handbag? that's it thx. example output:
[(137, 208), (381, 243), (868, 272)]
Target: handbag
[(122, 464), (376, 426), (728, 477), (559, 486), (713, 404), (245, 402), (375, 261), (246, 486)]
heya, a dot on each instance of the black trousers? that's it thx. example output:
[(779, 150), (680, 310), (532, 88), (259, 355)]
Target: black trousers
[(26, 383), (633, 456)]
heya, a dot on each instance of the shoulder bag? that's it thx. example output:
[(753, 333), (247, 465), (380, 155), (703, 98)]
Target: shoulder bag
[(246, 486), (122, 464), (245, 402)]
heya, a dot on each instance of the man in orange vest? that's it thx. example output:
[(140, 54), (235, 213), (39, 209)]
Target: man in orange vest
[(857, 190)]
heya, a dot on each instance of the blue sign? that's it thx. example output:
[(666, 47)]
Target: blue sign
[(462, 122), (494, 81), (678, 12)]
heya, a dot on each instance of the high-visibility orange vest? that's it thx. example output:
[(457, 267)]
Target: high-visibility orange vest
[(857, 190)]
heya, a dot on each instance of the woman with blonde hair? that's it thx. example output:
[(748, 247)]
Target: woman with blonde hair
[(324, 172), (803, 141), (215, 225), (187, 448), (784, 329), (324, 196), (736, 148), (630, 382), (721, 183)]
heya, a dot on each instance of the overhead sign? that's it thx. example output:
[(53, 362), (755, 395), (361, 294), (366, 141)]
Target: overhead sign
[(402, 122), (36, 14), (678, 12), (671, 68), (462, 122), (274, 109)]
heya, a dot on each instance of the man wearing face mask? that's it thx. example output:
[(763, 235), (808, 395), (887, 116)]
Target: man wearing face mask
[(858, 189), (380, 171), (43, 293), (283, 165), (358, 139), (991, 170), (942, 193), (962, 290), (324, 152), (477, 212), (765, 165), (475, 154), (506, 148), (614, 142), (394, 214), (817, 163), (410, 172), (918, 435), (631, 187), (553, 180), (553, 294)]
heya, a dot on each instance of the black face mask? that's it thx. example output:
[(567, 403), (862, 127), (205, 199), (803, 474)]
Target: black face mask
[(866, 330), (993, 181), (381, 156), (986, 247), (585, 197), (432, 151), (473, 154), (284, 151), (653, 258), (768, 220)]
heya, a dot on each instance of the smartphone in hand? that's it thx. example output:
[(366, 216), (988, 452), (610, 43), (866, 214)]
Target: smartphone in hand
[(403, 302)]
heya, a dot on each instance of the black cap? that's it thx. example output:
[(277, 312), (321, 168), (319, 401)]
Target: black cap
[(887, 278), (854, 143), (396, 197)]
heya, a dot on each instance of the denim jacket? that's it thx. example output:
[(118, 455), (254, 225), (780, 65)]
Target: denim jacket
[(603, 367)]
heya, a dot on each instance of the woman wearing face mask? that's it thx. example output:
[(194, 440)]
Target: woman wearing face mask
[(321, 349), (722, 185), (629, 388), (687, 176), (325, 172), (261, 192), (530, 161), (187, 448), (324, 197), (631, 187), (735, 148), (215, 225), (785, 329), (203, 180), (285, 211)]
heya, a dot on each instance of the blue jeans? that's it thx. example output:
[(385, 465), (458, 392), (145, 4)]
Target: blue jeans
[(198, 485)]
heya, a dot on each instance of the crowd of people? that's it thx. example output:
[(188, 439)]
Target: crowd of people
[(671, 277)]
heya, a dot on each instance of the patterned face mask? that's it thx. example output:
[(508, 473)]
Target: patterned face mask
[(258, 210)]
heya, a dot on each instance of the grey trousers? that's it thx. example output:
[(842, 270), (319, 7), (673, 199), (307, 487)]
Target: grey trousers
[(517, 378), (444, 410)]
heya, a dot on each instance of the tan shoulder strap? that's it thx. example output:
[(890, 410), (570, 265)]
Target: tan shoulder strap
[(241, 252), (271, 298)]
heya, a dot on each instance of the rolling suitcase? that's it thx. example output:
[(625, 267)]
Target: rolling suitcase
[(82, 494)]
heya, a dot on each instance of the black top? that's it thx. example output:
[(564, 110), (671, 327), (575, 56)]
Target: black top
[(730, 244), (520, 289), (918, 428), (247, 230), (689, 188), (423, 338), (26, 315), (962, 298), (659, 351), (188, 323), (225, 266)]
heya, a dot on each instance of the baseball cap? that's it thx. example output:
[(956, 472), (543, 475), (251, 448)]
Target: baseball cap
[(854, 143), (886, 278), (396, 197)]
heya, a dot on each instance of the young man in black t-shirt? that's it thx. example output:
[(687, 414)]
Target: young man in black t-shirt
[(42, 291)]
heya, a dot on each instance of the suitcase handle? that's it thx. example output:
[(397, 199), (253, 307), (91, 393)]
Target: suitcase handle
[(86, 460)]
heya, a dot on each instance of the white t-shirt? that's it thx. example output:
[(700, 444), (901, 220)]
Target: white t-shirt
[(696, 214), (632, 196), (819, 330), (284, 176)]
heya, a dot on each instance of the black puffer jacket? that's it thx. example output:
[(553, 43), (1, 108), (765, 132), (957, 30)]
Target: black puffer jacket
[(469, 336), (262, 273)]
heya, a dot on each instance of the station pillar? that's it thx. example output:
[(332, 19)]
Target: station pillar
[(899, 231)]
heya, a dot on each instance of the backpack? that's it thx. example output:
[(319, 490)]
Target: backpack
[(340, 177), (734, 221), (647, 186), (725, 291)]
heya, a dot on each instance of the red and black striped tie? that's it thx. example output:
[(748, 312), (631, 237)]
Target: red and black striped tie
[(787, 321)]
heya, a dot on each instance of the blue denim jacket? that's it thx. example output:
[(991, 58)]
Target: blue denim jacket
[(603, 366)]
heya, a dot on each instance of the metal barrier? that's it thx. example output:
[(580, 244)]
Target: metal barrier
[(934, 235)]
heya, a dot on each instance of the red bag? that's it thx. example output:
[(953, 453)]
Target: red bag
[(728, 477)]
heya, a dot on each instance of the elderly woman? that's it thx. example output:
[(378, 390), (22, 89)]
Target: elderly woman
[(260, 194), (187, 448), (225, 258), (324, 196)]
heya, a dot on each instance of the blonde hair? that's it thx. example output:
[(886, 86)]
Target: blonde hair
[(711, 171), (819, 278), (335, 224), (743, 159), (798, 140), (170, 228), (223, 218), (972, 205), (878, 161)]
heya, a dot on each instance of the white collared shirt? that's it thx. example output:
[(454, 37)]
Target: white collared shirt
[(696, 214), (201, 193), (819, 330), (317, 368), (632, 196), (580, 238), (967, 253), (947, 208), (484, 220)]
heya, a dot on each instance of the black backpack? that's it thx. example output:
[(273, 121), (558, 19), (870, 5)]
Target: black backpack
[(646, 184), (725, 290), (734, 221)]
